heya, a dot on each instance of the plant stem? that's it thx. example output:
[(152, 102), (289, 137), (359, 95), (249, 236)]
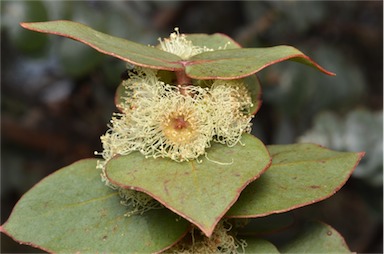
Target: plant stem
[(183, 81)]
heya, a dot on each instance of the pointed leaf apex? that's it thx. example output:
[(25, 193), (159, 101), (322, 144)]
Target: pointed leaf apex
[(242, 62), (202, 192)]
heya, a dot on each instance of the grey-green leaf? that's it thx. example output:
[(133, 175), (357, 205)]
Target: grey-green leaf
[(242, 62), (72, 211), (214, 41), (262, 246), (316, 237), (300, 174), (128, 51), (201, 192)]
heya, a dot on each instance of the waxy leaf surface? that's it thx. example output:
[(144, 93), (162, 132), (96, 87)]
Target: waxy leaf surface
[(256, 245), (128, 51), (201, 192), (312, 237), (213, 41), (316, 237), (72, 211), (227, 61), (300, 174), (242, 62)]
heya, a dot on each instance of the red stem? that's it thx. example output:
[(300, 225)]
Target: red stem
[(182, 81)]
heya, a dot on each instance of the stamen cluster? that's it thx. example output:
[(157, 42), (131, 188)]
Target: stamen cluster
[(179, 45), (221, 241), (159, 120)]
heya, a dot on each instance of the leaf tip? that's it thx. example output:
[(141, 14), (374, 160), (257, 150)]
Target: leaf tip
[(28, 25), (320, 68), (329, 73), (24, 24), (360, 157)]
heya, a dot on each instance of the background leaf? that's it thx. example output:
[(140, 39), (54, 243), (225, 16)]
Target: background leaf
[(200, 192), (347, 133), (316, 237), (72, 211), (300, 174), (311, 237), (213, 41), (254, 87), (128, 51), (238, 63), (255, 245)]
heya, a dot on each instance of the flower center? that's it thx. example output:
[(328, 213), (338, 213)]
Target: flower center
[(179, 130), (179, 123)]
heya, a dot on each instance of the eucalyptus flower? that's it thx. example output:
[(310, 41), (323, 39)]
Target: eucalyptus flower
[(159, 121)]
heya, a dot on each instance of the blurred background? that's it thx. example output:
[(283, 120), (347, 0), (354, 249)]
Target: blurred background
[(57, 94)]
